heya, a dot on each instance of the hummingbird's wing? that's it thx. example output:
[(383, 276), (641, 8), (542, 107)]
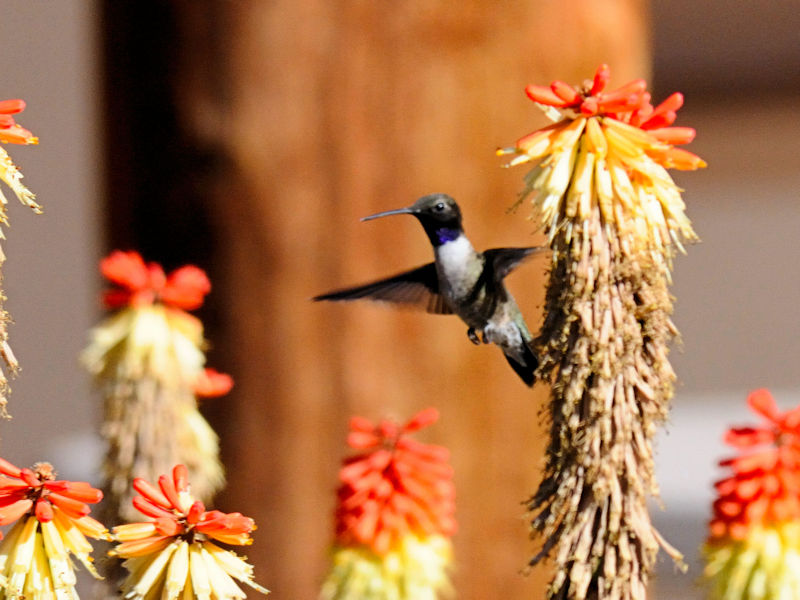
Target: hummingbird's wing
[(505, 260), (418, 288)]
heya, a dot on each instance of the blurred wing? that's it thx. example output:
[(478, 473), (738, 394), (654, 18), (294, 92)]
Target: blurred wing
[(505, 260), (418, 288)]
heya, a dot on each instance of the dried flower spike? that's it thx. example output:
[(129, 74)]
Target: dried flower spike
[(52, 522), (753, 548), (10, 133), (174, 554), (148, 360), (614, 218), (394, 515)]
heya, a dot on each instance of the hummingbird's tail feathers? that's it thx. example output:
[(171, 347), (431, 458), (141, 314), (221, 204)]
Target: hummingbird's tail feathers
[(525, 371)]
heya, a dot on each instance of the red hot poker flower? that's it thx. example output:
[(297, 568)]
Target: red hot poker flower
[(37, 492), (175, 513), (143, 284), (764, 489), (173, 556), (10, 132), (629, 104), (395, 486)]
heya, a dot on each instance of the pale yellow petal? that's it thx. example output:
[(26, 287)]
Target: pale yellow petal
[(177, 572), (199, 575), (151, 575), (222, 585)]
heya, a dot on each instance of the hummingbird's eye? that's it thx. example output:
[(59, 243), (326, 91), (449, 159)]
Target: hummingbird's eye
[(439, 207)]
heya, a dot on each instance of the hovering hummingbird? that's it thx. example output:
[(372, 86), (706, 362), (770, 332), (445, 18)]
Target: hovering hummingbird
[(460, 281)]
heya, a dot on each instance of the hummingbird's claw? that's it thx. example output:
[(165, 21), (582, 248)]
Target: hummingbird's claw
[(473, 337)]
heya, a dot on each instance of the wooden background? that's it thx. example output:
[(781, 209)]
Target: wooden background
[(249, 137)]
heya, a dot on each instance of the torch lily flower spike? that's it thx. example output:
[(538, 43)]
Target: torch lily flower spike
[(394, 515), (52, 523), (10, 133), (614, 219), (753, 547), (175, 554), (148, 359)]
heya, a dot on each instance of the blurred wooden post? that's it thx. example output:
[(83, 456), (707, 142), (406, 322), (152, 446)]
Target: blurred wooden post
[(326, 112)]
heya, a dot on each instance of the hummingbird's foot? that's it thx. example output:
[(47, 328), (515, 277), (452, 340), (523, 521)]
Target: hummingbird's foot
[(473, 337)]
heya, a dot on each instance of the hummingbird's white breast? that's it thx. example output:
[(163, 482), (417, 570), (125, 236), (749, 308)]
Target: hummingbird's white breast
[(458, 268)]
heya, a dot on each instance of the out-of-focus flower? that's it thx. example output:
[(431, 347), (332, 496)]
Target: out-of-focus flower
[(11, 133), (139, 284), (753, 548), (174, 554), (211, 383), (608, 150), (394, 515), (52, 522), (148, 358), (614, 219)]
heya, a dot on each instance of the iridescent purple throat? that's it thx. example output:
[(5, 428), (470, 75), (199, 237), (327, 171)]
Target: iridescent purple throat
[(447, 235)]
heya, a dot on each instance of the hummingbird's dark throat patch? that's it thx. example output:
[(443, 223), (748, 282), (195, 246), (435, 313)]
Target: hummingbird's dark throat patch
[(446, 234)]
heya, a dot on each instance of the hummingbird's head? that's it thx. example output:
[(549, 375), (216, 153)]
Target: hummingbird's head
[(439, 214)]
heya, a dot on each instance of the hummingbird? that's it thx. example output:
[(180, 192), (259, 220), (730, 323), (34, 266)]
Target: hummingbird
[(459, 281)]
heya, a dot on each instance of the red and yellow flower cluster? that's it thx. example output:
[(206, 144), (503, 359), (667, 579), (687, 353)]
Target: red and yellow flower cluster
[(628, 104), (141, 284), (52, 522), (173, 554), (394, 514), (37, 492), (753, 547), (395, 486), (607, 152)]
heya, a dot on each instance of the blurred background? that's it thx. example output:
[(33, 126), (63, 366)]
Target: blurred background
[(248, 137)]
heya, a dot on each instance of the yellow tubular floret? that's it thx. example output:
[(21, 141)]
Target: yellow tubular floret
[(178, 571)]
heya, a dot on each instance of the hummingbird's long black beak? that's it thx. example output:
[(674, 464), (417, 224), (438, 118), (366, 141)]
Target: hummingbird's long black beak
[(387, 213)]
